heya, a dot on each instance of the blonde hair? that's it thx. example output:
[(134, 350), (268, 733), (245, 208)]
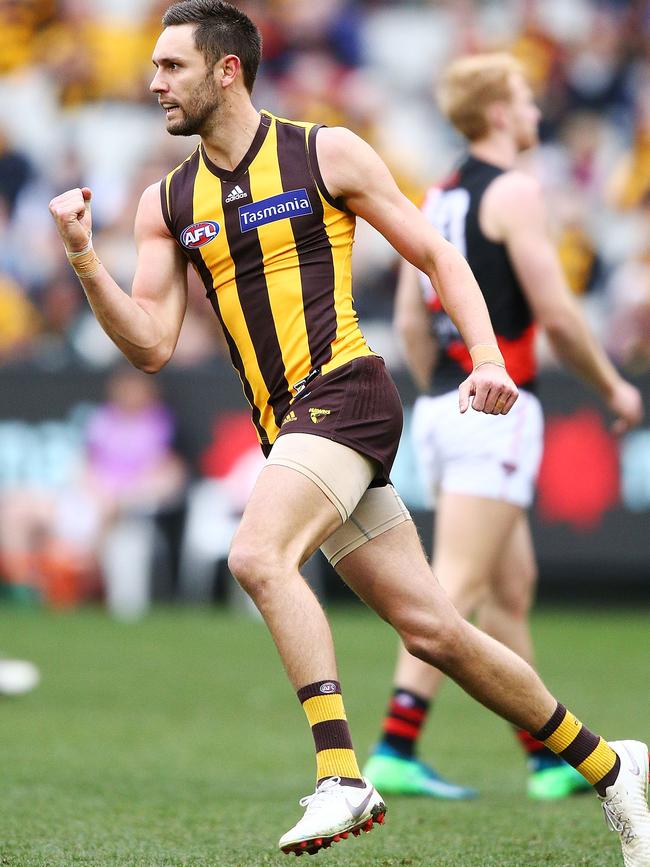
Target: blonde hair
[(470, 84)]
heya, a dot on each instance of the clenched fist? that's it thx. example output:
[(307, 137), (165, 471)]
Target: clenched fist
[(491, 388), (71, 213), (626, 403)]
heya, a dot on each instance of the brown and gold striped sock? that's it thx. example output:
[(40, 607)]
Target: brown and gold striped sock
[(323, 704), (589, 754)]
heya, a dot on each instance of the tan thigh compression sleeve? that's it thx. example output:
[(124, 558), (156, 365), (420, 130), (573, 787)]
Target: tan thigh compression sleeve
[(341, 473), (379, 510)]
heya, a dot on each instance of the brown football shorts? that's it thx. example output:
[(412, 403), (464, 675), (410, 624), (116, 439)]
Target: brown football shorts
[(356, 405), (346, 454)]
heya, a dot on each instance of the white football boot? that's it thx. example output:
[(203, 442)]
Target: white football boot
[(626, 803), (333, 812)]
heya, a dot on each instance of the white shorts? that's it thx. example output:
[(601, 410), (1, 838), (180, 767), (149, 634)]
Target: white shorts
[(495, 456)]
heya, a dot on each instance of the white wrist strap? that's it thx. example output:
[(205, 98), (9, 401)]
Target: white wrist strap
[(74, 255)]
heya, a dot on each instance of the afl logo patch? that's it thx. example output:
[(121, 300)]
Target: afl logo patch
[(199, 234), (327, 687)]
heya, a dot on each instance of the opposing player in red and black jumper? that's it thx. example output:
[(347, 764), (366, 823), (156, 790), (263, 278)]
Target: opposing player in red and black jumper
[(481, 471)]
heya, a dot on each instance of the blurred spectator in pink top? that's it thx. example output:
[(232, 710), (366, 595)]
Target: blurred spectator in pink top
[(131, 464), (132, 474)]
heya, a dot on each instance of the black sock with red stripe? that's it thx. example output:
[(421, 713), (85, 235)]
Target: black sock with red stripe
[(539, 755), (407, 713)]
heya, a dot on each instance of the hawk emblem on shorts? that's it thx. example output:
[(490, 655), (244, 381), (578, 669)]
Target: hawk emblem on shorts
[(317, 415)]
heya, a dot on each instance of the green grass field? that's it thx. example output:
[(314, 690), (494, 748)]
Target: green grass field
[(178, 741)]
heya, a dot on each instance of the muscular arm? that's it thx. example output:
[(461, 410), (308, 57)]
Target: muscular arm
[(353, 171), (145, 324), (520, 219), (412, 323)]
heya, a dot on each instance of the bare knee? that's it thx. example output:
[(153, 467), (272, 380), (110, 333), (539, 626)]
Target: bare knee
[(434, 639), (254, 567), (516, 596)]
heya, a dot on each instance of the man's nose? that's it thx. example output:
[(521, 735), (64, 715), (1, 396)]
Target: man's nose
[(156, 85)]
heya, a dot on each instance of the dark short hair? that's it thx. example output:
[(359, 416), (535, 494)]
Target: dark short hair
[(220, 29)]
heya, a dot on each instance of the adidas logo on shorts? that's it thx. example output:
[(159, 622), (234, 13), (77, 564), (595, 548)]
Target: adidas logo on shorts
[(236, 193)]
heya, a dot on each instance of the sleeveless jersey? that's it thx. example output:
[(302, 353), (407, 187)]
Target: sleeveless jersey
[(273, 250), (453, 209)]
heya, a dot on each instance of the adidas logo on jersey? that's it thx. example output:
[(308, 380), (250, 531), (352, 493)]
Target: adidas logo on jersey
[(236, 193)]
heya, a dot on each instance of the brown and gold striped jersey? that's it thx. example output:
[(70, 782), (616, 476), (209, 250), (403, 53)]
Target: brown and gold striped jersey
[(273, 250)]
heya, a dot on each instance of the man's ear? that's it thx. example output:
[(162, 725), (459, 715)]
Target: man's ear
[(227, 70), (495, 114)]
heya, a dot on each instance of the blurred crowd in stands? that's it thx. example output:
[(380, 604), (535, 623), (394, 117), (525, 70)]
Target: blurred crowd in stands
[(76, 110), (74, 80)]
